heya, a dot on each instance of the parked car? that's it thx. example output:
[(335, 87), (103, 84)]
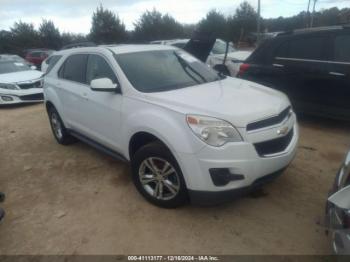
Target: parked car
[(16, 58), (338, 211), (19, 83), (38, 56), (311, 66), (187, 130), (216, 55), (49, 62)]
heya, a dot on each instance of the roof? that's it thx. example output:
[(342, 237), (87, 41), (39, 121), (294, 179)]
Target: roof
[(117, 49), (315, 29)]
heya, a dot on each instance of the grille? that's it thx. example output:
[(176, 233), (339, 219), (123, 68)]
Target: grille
[(275, 145), (36, 84), (33, 97), (269, 121)]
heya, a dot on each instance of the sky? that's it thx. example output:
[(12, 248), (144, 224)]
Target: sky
[(75, 15)]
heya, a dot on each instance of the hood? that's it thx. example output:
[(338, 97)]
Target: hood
[(22, 76), (200, 45), (238, 56), (235, 100)]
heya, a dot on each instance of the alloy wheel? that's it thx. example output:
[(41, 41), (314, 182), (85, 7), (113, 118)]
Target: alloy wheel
[(159, 178)]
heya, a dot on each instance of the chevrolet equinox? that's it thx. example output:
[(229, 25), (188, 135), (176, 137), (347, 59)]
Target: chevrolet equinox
[(188, 132)]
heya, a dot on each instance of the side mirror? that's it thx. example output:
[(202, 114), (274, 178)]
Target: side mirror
[(341, 199), (103, 85), (33, 67)]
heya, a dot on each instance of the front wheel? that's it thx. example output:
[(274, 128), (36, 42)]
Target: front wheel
[(158, 177)]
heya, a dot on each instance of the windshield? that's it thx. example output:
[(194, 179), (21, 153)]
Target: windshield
[(219, 48), (164, 70), (12, 66)]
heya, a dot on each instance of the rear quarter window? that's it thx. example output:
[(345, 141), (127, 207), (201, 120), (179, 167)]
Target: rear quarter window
[(52, 61), (74, 68)]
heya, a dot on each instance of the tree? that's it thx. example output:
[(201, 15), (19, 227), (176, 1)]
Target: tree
[(243, 22), (152, 25), (24, 36), (70, 38), (49, 35), (106, 27), (6, 42), (214, 23)]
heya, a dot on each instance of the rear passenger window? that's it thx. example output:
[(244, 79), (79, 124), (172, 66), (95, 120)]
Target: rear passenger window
[(74, 68), (52, 61), (99, 68), (307, 48), (341, 48)]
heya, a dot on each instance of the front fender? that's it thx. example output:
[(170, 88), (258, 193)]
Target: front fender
[(168, 126)]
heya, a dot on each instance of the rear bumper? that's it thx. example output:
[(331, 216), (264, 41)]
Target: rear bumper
[(218, 197)]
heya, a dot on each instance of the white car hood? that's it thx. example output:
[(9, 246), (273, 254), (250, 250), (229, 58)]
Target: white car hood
[(18, 77), (235, 100)]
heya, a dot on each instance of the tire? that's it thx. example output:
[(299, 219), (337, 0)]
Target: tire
[(58, 129), (164, 188)]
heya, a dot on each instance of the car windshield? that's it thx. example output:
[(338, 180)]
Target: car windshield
[(12, 66), (164, 70), (219, 48)]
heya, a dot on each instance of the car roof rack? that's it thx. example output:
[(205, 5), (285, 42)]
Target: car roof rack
[(313, 29), (79, 44)]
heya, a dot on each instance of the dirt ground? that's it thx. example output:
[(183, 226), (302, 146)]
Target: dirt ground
[(76, 200)]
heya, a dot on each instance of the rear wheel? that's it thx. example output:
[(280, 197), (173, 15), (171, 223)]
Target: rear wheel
[(158, 177), (58, 129)]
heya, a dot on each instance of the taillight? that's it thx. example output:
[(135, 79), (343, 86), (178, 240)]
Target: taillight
[(243, 68)]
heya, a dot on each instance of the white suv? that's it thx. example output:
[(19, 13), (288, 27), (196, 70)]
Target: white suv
[(188, 132)]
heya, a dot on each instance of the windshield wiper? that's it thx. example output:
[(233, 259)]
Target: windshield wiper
[(185, 65)]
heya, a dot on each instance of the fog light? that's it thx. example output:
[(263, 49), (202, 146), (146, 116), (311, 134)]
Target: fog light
[(7, 98), (222, 176)]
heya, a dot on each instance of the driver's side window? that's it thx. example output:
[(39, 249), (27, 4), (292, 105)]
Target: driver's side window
[(97, 67)]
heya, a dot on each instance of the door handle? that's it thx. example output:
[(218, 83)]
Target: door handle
[(278, 65), (336, 74)]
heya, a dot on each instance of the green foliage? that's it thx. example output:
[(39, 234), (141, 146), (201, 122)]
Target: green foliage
[(24, 36), (243, 22), (106, 27), (49, 35), (70, 38), (214, 23), (152, 25)]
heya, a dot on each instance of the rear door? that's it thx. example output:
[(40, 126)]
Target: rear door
[(339, 73), (73, 90), (304, 67)]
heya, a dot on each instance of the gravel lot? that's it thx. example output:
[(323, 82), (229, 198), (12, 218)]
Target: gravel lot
[(76, 200)]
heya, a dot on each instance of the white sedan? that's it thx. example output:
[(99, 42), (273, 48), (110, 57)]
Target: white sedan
[(19, 83)]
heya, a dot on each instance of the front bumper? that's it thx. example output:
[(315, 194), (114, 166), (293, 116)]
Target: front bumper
[(9, 97), (241, 159), (213, 198)]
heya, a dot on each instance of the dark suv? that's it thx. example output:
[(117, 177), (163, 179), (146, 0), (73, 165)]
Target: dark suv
[(311, 66)]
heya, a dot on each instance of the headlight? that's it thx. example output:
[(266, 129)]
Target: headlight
[(8, 86), (213, 131)]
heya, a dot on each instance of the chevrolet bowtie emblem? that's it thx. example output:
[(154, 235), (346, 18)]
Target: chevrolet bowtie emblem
[(282, 131)]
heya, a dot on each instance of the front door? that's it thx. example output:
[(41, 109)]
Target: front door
[(102, 110)]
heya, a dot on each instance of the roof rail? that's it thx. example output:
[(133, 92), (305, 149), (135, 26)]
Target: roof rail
[(77, 45)]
